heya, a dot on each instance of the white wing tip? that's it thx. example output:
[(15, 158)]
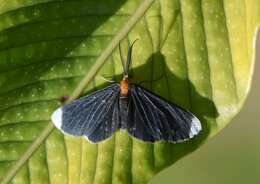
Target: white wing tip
[(195, 127), (56, 118)]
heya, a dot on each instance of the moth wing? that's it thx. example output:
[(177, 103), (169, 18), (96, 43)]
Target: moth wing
[(152, 118), (95, 116)]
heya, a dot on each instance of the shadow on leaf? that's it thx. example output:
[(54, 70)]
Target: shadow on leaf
[(166, 84)]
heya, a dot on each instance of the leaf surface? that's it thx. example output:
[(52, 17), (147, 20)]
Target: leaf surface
[(203, 49)]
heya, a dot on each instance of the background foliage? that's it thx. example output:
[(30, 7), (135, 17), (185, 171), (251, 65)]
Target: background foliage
[(203, 48), (230, 157)]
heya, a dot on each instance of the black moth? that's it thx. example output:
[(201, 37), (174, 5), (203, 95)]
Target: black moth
[(129, 107)]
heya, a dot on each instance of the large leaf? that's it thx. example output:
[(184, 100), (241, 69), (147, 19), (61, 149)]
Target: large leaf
[(203, 49)]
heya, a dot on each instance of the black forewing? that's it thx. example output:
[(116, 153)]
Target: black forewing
[(95, 116), (151, 118)]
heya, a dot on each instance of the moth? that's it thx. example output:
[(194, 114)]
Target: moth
[(126, 106)]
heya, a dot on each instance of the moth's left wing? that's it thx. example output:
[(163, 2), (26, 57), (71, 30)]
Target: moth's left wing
[(95, 116), (151, 118)]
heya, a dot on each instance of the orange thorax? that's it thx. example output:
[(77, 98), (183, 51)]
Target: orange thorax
[(124, 87)]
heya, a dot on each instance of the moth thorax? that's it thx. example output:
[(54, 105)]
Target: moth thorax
[(124, 86)]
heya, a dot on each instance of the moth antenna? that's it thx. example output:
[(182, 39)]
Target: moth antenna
[(123, 61), (129, 57)]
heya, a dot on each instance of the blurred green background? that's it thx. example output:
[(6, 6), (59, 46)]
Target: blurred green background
[(233, 156)]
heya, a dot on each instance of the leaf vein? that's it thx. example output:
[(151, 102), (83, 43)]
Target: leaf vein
[(231, 57)]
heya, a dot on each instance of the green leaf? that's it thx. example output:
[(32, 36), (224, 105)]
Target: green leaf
[(203, 49)]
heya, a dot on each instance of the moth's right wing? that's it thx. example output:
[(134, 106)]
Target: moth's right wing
[(95, 116), (151, 118)]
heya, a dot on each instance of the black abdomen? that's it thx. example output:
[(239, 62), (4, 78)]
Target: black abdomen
[(123, 108)]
